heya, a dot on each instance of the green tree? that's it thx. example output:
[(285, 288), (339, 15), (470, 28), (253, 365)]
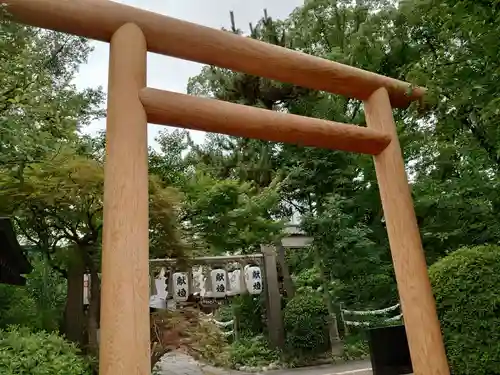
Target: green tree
[(371, 35), (40, 114), (40, 108), (348, 256), (456, 161), (458, 45), (48, 289), (39, 305), (63, 195), (219, 213)]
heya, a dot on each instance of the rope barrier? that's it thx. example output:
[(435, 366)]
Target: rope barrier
[(371, 312)]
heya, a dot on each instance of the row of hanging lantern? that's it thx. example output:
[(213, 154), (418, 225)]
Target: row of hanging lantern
[(218, 283)]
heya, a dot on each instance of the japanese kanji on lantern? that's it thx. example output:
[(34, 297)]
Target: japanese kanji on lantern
[(181, 287), (218, 277), (253, 279)]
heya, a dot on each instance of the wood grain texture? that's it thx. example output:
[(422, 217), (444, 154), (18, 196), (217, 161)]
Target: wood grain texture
[(99, 19), (417, 301), (174, 109), (124, 348), (273, 299)]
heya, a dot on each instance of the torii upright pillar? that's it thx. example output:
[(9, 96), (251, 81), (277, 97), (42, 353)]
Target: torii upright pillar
[(125, 344), (417, 302)]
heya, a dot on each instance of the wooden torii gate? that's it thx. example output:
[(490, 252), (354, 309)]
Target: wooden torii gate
[(132, 32)]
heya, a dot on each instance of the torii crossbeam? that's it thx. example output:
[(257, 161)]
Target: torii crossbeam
[(131, 32)]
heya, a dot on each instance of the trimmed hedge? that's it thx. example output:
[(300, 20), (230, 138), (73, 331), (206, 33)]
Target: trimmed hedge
[(306, 324), (466, 286)]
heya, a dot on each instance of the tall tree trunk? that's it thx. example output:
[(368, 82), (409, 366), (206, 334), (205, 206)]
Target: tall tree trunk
[(287, 278), (74, 317)]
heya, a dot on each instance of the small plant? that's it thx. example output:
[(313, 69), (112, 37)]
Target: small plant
[(252, 352), (249, 309), (40, 353), (355, 347)]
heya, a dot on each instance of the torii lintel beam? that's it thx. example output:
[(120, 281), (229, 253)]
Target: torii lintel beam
[(99, 19)]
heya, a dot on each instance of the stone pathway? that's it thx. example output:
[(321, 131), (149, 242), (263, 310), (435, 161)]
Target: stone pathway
[(178, 363), (348, 368)]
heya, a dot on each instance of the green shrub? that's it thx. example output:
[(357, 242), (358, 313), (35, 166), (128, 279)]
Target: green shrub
[(48, 290), (39, 305), (41, 353), (465, 285), (306, 324), (224, 313), (252, 352), (355, 347), (17, 307), (249, 309)]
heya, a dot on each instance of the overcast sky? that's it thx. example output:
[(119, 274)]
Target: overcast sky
[(173, 74)]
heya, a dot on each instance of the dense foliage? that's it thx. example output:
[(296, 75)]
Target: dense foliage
[(39, 305), (250, 312), (25, 352), (465, 285)]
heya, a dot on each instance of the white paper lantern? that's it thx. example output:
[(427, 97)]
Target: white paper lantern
[(234, 283), (253, 279), (181, 287), (218, 277)]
